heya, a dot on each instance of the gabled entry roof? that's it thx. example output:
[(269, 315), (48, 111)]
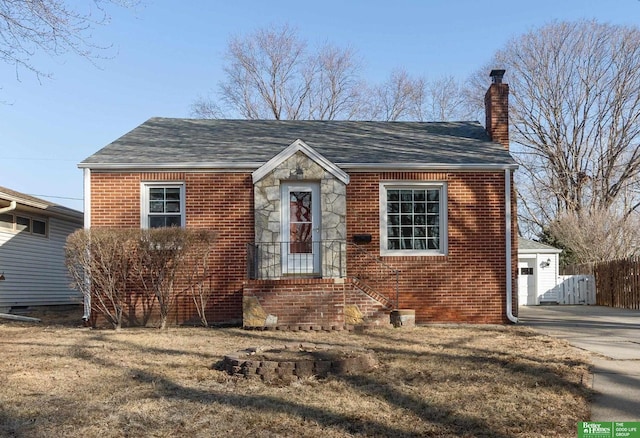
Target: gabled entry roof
[(299, 146), (164, 143)]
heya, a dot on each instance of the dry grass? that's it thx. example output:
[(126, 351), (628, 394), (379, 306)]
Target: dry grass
[(58, 379)]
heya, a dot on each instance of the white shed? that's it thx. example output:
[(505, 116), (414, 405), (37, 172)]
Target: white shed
[(538, 272), (33, 233)]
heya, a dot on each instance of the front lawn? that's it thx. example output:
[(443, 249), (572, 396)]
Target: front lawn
[(447, 381)]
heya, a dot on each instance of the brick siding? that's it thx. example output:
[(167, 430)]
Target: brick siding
[(466, 285), (222, 202)]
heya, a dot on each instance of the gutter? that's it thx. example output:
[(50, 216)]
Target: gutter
[(508, 224), (87, 225), (12, 206), (252, 166)]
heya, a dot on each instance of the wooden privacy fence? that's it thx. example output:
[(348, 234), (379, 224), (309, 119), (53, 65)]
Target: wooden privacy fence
[(618, 283)]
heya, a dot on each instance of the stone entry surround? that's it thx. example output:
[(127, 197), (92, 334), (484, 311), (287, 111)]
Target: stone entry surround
[(333, 204)]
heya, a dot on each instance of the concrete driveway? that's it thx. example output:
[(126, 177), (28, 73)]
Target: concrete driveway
[(612, 336)]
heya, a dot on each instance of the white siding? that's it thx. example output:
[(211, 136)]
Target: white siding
[(547, 277), (34, 268)]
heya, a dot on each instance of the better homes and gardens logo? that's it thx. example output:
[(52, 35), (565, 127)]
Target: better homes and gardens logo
[(605, 429)]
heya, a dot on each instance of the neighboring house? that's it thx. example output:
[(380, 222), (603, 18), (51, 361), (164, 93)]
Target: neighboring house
[(538, 272), (33, 233), (326, 223)]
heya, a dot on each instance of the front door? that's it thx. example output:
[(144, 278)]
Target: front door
[(300, 228)]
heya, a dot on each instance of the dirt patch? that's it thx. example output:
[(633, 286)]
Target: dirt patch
[(63, 315)]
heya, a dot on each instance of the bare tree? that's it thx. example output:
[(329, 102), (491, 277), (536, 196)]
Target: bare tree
[(446, 100), (29, 27), (270, 74), (575, 113), (600, 235), (401, 97), (335, 88)]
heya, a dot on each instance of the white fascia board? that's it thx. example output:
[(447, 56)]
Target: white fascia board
[(299, 146), (183, 166), (252, 166), (539, 251), (365, 167)]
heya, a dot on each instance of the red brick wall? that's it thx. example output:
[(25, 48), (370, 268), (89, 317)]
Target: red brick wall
[(467, 284), (313, 302), (217, 201)]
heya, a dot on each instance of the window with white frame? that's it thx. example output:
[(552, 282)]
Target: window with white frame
[(413, 218), (24, 224), (162, 205)]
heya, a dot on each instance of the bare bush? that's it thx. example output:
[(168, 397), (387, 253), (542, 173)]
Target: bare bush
[(121, 270), (100, 263), (198, 272), (172, 260)]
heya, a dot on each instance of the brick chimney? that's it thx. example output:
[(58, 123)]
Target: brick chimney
[(496, 106)]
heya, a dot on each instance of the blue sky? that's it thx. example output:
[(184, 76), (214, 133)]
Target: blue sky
[(167, 53)]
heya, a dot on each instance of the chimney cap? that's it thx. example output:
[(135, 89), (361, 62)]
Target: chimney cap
[(497, 75)]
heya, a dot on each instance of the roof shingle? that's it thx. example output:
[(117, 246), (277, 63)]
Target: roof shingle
[(168, 142)]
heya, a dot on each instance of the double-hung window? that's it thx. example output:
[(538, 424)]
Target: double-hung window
[(162, 205), (413, 218)]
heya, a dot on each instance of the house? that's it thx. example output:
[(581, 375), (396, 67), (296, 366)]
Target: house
[(326, 223), (32, 238), (538, 272)]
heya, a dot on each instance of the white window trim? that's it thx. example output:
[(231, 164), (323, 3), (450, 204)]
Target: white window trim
[(144, 200), (442, 186), (14, 225)]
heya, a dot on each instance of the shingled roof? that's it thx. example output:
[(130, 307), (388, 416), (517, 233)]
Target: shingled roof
[(247, 144), (39, 205), (531, 246)]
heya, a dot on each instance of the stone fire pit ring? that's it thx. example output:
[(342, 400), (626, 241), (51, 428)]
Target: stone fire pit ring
[(289, 362)]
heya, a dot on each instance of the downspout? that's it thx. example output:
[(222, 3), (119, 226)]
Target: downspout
[(12, 206), (507, 220), (87, 225)]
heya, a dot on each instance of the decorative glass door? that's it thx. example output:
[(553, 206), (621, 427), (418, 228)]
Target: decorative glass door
[(300, 228)]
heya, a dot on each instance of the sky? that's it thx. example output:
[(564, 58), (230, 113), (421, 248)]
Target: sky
[(163, 55)]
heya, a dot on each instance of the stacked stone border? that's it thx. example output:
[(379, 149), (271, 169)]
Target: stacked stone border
[(249, 364)]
